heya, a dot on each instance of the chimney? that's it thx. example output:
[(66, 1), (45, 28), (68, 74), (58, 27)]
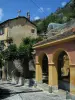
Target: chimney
[(28, 15)]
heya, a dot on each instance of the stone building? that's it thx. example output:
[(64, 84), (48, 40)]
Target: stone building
[(55, 60), (17, 29)]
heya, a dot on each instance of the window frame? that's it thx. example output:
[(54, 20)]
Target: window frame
[(32, 30)]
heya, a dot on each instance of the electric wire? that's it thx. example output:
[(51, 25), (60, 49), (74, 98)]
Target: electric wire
[(37, 6)]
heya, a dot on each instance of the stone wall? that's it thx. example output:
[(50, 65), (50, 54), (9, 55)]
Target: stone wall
[(21, 28), (18, 69)]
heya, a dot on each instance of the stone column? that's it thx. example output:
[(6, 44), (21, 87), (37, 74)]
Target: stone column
[(72, 78), (38, 72), (53, 77)]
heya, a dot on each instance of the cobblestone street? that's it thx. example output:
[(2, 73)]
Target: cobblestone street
[(14, 92)]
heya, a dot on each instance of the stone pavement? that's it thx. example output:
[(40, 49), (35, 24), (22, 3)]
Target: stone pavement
[(13, 92)]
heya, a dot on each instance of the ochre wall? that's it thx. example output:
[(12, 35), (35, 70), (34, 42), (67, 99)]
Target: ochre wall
[(17, 29), (72, 78)]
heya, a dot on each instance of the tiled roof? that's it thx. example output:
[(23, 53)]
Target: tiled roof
[(66, 34), (17, 18)]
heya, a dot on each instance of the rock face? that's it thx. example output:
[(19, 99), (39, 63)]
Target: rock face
[(18, 66), (17, 72), (20, 70)]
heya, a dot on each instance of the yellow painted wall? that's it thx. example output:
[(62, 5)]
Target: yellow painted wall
[(50, 78), (72, 79), (38, 73), (53, 78)]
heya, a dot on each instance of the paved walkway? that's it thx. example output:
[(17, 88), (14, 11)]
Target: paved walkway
[(13, 92)]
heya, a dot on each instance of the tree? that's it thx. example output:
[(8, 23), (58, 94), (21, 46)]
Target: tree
[(20, 56), (1, 60), (44, 26), (25, 54), (10, 53), (25, 48)]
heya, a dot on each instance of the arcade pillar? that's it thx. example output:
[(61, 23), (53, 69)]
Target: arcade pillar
[(72, 79)]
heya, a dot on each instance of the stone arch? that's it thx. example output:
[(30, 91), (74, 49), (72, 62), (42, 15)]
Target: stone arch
[(40, 57), (57, 52), (61, 60), (43, 61)]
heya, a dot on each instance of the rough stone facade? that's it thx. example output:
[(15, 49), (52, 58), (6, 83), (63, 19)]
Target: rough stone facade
[(17, 29), (21, 28)]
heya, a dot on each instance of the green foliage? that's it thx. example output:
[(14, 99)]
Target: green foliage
[(31, 41), (38, 39), (27, 40), (24, 51), (10, 53), (1, 60), (67, 11), (40, 27), (25, 48)]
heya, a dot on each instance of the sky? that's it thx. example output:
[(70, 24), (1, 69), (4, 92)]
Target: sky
[(38, 8)]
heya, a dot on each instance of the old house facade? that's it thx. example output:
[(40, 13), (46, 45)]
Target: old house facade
[(17, 29)]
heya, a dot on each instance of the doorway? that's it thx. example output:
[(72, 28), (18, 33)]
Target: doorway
[(45, 69), (63, 71)]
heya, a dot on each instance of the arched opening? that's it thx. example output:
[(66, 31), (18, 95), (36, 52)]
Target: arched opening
[(43, 59), (45, 69), (63, 71), (61, 60)]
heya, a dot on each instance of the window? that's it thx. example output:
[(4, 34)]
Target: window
[(33, 30), (1, 31)]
